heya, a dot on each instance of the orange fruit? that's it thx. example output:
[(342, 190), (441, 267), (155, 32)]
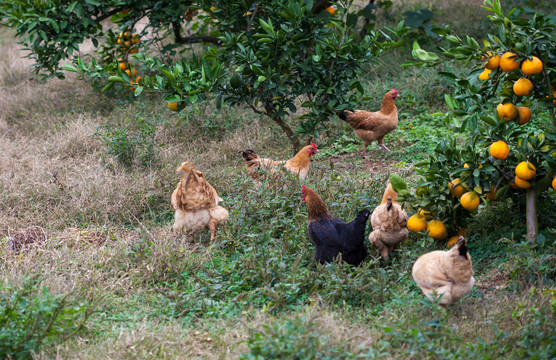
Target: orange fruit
[(522, 184), (493, 62), (452, 241), (417, 223), (485, 74), (491, 195), (123, 66), (507, 111), (499, 150), (523, 87), (427, 214), (330, 10), (173, 106), (524, 114), (119, 42), (137, 79), (507, 62), (554, 183), (470, 200), (525, 171), (456, 189), (514, 186), (531, 67), (437, 230), (129, 72)]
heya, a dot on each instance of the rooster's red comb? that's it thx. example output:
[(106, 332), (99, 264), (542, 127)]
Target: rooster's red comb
[(314, 145), (303, 187)]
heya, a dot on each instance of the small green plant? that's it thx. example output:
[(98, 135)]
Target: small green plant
[(298, 338), (31, 316), (129, 146)]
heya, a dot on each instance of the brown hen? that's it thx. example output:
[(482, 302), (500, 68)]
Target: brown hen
[(373, 126)]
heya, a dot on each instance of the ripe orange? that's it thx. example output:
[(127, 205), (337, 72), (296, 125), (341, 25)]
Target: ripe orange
[(493, 62), (507, 111), (499, 150), (129, 72), (491, 195), (137, 79), (173, 106), (525, 171), (330, 10), (507, 62), (126, 44), (522, 184), (523, 87), (531, 67), (417, 223), (437, 230), (123, 66), (456, 189), (485, 74), (427, 214), (470, 200), (452, 241), (524, 114), (554, 183)]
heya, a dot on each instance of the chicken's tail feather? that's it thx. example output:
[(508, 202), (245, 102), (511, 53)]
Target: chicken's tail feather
[(461, 246), (342, 115)]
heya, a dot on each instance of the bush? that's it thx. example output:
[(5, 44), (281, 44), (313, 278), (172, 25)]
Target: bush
[(31, 316)]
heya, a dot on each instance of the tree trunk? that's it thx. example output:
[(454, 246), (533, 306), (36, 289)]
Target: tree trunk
[(532, 222), (289, 132), (531, 205), (271, 113)]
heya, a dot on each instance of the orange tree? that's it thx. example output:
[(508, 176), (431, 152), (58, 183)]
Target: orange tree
[(289, 60), (506, 101)]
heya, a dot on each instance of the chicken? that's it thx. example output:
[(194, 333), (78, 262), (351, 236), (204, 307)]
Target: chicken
[(332, 236), (447, 273), (389, 223), (371, 126), (258, 168), (195, 203)]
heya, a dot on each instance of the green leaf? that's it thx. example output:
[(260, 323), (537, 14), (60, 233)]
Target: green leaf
[(398, 184), (108, 86), (115, 79)]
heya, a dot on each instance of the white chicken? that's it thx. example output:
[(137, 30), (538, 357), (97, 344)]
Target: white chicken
[(449, 274)]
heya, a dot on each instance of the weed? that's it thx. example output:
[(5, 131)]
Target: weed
[(31, 317), (128, 145)]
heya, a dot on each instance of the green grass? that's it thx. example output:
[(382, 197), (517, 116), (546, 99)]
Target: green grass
[(255, 292)]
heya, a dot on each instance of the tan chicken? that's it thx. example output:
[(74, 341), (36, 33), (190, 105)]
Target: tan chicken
[(258, 168), (373, 126), (389, 223), (447, 273), (195, 203)]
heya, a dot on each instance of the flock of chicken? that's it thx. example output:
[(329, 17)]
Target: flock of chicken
[(447, 275)]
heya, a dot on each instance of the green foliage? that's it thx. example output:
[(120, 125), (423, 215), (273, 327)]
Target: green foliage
[(475, 100), (298, 338), (538, 336), (31, 317), (130, 145)]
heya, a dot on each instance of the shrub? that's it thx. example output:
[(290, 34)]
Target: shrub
[(31, 316)]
